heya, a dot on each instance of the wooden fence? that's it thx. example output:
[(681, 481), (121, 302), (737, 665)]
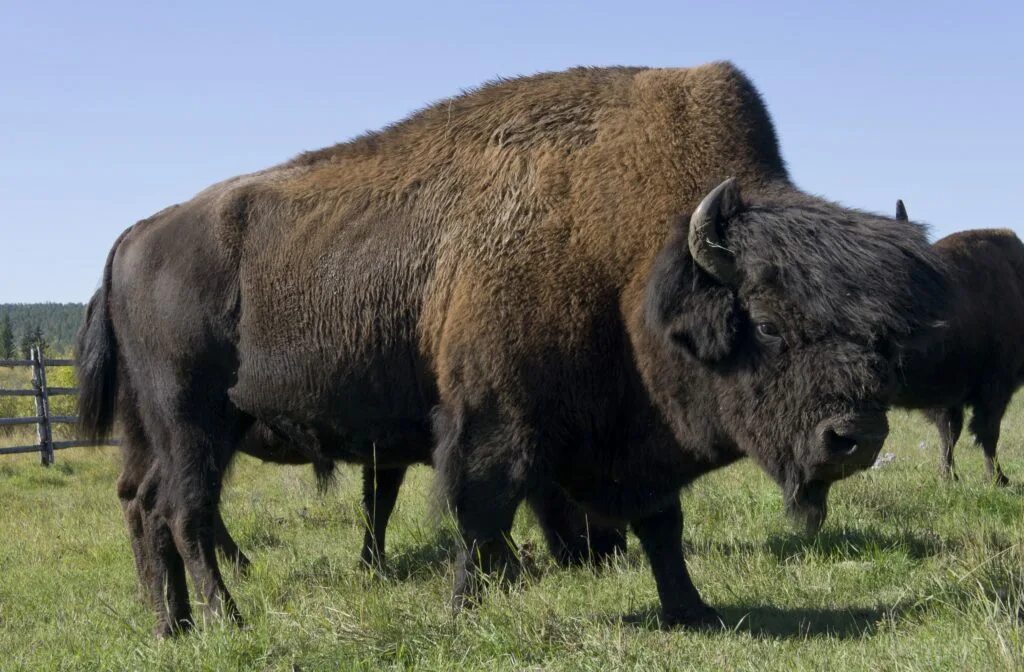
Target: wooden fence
[(43, 419)]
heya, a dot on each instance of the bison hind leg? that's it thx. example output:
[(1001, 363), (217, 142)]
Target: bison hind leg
[(167, 587), (985, 424), (192, 509), (159, 566), (196, 447), (136, 462)]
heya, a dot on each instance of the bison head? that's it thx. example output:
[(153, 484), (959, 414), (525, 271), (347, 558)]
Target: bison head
[(773, 326)]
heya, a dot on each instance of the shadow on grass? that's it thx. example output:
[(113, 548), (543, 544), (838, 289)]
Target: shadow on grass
[(855, 544), (784, 623), (771, 622), (840, 544), (259, 538), (1015, 486), (425, 560), (430, 558)]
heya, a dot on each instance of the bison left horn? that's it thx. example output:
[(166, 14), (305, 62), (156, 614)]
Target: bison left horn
[(901, 212), (705, 237)]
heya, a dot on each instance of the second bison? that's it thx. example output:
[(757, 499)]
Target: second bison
[(977, 359)]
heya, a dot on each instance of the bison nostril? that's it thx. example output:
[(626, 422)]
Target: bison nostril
[(839, 444)]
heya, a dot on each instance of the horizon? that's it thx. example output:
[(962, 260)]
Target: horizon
[(117, 111)]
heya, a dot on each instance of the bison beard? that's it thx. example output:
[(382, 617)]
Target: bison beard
[(540, 275)]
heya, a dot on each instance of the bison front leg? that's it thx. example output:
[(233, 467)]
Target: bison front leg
[(486, 528), (380, 492), (661, 535), (480, 467)]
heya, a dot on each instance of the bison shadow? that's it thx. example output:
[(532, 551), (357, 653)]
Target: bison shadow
[(768, 621), (425, 560), (854, 544), (428, 559), (837, 544), (772, 622)]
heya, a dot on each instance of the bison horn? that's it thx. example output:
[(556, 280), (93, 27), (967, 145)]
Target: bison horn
[(705, 240), (901, 212)]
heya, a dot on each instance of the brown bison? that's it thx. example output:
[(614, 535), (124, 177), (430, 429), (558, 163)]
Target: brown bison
[(599, 278), (977, 359)]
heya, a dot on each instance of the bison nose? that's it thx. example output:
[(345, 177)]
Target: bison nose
[(839, 444), (853, 439)]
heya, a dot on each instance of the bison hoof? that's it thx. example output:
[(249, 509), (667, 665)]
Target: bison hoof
[(165, 630), (1002, 481), (698, 617), (374, 564)]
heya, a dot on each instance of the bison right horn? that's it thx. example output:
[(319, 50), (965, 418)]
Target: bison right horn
[(705, 238), (901, 212)]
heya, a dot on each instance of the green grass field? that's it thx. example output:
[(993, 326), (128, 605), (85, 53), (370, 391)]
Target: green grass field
[(908, 573)]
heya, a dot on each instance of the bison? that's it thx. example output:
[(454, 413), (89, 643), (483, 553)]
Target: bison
[(601, 278), (977, 359)]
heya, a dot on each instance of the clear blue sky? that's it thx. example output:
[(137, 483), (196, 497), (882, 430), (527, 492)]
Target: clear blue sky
[(110, 111)]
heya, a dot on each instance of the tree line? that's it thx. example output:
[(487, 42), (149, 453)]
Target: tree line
[(51, 326)]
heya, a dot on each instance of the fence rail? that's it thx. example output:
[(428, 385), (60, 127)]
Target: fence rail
[(43, 420)]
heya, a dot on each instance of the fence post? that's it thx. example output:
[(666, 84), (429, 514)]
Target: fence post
[(43, 432)]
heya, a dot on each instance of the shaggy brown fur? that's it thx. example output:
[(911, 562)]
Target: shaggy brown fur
[(978, 358), (510, 273)]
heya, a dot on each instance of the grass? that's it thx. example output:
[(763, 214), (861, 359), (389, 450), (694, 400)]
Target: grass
[(908, 573)]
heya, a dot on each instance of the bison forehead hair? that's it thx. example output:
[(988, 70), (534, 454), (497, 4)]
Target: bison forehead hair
[(848, 271)]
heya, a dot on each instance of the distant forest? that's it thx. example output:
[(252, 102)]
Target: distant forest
[(51, 324)]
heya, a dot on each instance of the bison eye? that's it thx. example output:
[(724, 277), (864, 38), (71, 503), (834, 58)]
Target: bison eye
[(768, 332)]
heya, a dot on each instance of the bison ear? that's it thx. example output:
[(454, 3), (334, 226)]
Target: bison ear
[(901, 212), (688, 309)]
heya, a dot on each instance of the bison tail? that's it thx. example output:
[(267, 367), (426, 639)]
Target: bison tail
[(96, 363), (325, 473)]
